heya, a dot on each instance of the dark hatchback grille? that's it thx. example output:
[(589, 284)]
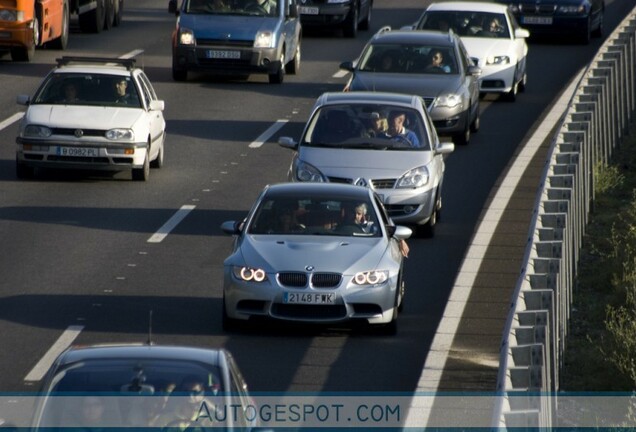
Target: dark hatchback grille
[(292, 279), (532, 8), (326, 280), (309, 311), (85, 132), (225, 43)]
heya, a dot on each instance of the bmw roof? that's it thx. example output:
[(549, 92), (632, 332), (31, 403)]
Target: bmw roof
[(359, 97), (468, 6), (335, 190)]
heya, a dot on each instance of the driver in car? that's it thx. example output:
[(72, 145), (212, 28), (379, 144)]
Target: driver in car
[(398, 131)]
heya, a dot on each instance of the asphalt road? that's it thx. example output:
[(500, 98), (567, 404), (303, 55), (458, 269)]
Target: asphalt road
[(75, 248)]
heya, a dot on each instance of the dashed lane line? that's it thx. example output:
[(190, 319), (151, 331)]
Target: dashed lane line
[(163, 232)]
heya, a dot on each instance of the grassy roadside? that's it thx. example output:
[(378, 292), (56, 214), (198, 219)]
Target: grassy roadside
[(601, 345)]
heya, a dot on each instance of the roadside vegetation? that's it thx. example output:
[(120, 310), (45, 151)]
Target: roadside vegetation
[(601, 345)]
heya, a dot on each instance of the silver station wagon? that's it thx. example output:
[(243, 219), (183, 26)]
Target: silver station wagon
[(384, 141)]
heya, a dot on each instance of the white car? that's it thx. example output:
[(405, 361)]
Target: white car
[(92, 113), (492, 37)]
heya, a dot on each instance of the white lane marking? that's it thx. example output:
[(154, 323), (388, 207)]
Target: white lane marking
[(63, 342), (442, 342), (340, 74), (171, 224), (268, 133), (8, 122)]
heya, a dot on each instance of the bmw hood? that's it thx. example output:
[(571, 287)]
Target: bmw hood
[(364, 163), (324, 253), (87, 117), (230, 27), (430, 85), (482, 48)]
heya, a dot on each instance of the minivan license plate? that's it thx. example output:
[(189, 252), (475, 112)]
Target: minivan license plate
[(220, 54), (309, 298)]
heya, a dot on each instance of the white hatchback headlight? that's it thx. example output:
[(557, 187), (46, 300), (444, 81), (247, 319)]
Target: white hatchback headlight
[(249, 274), (448, 101), (374, 277), (264, 39), (120, 134), (415, 178), (37, 131), (498, 60)]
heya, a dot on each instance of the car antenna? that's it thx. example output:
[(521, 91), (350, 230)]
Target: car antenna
[(149, 342)]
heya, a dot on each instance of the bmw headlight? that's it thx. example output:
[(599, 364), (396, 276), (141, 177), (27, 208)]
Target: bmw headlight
[(264, 39), (249, 274), (415, 178), (120, 134), (308, 173), (11, 15), (449, 101), (498, 60), (37, 131), (374, 277), (571, 9), (186, 36)]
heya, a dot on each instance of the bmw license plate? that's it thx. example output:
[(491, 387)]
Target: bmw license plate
[(309, 298), (221, 54), (307, 10), (536, 20), (77, 151)]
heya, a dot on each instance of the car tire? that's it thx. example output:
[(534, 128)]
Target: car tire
[(402, 292), (158, 161), (522, 83), (178, 74), (93, 21), (598, 31), (143, 173), (586, 36), (23, 171), (27, 53), (511, 96), (62, 41), (365, 24), (109, 14), (293, 67), (463, 138), (279, 76), (119, 13), (476, 123), (350, 25)]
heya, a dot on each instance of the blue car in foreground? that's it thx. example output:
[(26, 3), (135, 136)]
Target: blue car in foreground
[(236, 37)]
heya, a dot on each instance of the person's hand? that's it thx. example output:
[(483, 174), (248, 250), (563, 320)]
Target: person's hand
[(404, 248)]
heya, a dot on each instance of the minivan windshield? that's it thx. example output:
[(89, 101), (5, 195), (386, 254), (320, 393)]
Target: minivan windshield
[(368, 127), (233, 7)]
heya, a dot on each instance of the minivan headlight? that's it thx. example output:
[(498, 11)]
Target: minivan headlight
[(414, 178), (264, 39), (186, 36), (448, 101), (308, 173)]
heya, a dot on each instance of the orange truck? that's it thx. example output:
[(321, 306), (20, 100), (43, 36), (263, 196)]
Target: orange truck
[(27, 24)]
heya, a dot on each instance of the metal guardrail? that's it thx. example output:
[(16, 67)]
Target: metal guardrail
[(535, 335)]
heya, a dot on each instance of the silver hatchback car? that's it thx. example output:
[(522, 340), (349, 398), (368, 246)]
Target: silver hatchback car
[(385, 141)]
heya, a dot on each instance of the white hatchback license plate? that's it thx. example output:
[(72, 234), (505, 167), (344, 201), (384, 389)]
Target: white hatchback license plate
[(220, 54), (309, 298), (78, 151), (537, 20), (306, 10)]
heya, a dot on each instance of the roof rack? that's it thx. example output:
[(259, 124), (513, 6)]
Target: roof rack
[(129, 63)]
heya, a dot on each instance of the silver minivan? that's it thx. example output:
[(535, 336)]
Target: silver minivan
[(384, 141)]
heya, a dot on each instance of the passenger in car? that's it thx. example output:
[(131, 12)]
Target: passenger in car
[(436, 63), (378, 125), (70, 93)]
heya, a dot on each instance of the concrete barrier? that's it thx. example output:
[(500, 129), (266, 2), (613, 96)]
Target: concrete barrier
[(596, 120)]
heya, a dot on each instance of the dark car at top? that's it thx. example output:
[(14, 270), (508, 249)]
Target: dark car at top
[(348, 15), (451, 95), (580, 19), (239, 39)]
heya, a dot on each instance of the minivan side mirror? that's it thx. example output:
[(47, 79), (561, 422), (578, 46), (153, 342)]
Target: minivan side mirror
[(172, 7), (293, 10)]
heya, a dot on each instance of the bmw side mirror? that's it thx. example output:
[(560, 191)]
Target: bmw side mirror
[(287, 142), (232, 227), (23, 99), (348, 66)]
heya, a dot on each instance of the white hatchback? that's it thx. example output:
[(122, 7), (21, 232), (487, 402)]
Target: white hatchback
[(92, 113), (492, 37)]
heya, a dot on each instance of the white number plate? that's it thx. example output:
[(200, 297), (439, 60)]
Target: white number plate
[(309, 298), (220, 54), (78, 151), (306, 10), (536, 20)]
